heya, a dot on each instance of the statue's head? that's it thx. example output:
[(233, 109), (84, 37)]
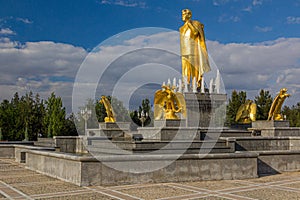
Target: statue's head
[(186, 15), (283, 90)]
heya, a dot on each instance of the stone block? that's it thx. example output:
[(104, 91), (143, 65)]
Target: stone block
[(205, 110), (7, 151), (170, 123), (262, 144), (170, 133), (294, 143), (115, 125), (274, 162), (262, 124)]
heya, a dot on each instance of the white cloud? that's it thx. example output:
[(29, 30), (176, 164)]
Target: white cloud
[(6, 31), (125, 3), (42, 67), (247, 9), (46, 66), (219, 2), (24, 20), (268, 65), (293, 20), (226, 18), (7, 43), (124, 60), (257, 2), (263, 29)]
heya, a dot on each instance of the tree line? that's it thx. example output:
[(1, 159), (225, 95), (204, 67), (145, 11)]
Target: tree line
[(28, 116), (263, 102)]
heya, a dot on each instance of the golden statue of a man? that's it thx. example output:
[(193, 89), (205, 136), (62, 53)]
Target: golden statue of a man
[(275, 110), (193, 49)]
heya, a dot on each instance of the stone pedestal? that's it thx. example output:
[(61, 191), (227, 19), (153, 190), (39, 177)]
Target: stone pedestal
[(115, 125), (274, 128), (110, 129), (169, 133), (270, 124), (170, 123), (205, 110)]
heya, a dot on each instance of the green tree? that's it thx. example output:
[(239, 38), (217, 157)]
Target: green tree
[(236, 100), (55, 116), (120, 112), (7, 120), (39, 111), (19, 117), (1, 135), (69, 126), (26, 109), (100, 110), (292, 114), (26, 117), (145, 108), (263, 102)]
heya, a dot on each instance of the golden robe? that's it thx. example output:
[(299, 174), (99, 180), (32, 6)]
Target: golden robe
[(193, 51)]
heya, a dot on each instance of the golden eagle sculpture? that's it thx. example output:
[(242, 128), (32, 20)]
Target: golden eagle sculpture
[(167, 103), (246, 112), (275, 110), (109, 111)]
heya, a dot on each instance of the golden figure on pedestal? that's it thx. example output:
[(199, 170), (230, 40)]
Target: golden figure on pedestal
[(275, 110), (193, 49), (167, 103), (109, 111), (246, 112)]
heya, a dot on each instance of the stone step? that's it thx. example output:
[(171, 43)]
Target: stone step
[(157, 144), (45, 142), (219, 146), (96, 150)]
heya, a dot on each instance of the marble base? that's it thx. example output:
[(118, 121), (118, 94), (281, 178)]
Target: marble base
[(274, 128), (205, 110), (270, 123), (170, 123), (115, 125)]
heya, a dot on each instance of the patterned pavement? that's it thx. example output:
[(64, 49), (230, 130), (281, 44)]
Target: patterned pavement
[(16, 182)]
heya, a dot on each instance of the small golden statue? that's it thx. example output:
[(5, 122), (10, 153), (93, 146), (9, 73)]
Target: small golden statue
[(109, 111), (193, 49), (167, 103), (246, 112), (275, 110)]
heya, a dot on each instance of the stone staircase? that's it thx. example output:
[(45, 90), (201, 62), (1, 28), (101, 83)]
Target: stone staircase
[(160, 147)]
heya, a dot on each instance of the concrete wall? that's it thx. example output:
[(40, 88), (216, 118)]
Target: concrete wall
[(45, 142), (20, 151), (273, 162), (88, 171), (7, 151), (267, 143), (56, 165), (69, 144), (186, 168), (262, 144)]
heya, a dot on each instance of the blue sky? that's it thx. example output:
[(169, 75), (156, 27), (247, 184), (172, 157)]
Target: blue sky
[(255, 43), (86, 23)]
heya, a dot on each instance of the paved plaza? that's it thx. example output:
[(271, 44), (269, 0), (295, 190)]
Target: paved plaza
[(17, 182)]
